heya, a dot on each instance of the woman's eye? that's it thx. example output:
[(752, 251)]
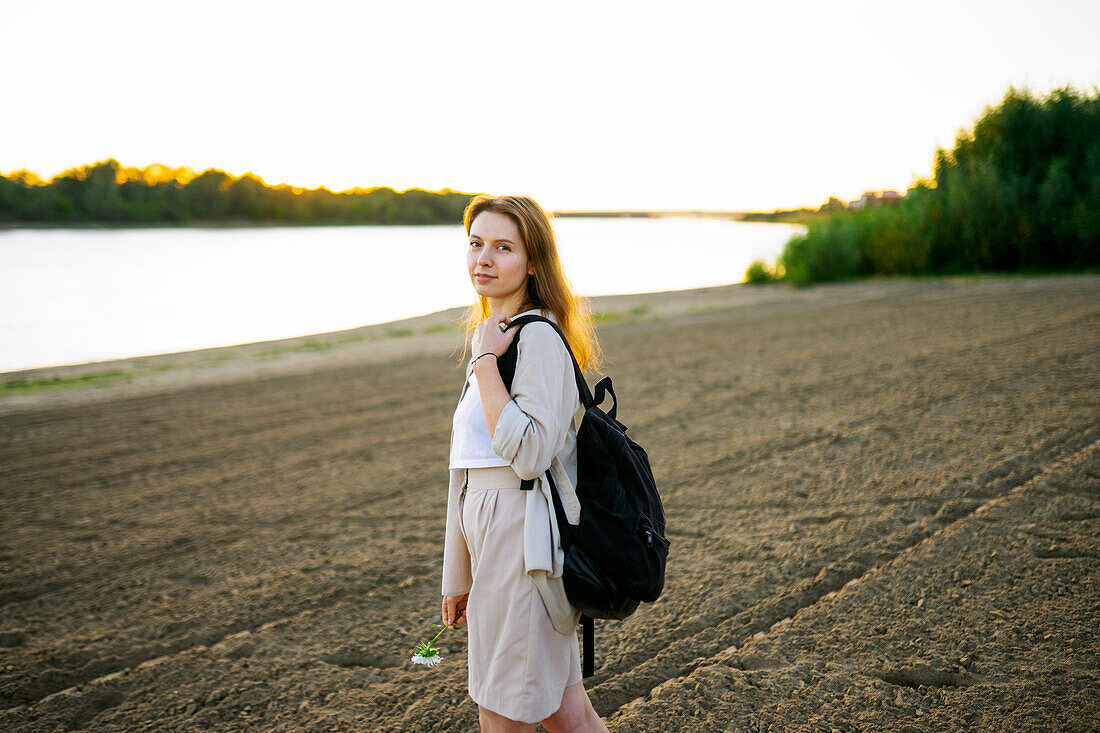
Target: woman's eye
[(503, 247)]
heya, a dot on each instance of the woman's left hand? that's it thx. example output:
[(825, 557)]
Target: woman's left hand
[(488, 338)]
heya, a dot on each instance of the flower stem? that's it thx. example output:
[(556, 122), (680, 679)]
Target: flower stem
[(437, 636)]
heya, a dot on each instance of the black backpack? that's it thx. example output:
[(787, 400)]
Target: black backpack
[(615, 557)]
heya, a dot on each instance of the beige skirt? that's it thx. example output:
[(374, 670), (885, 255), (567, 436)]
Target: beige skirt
[(519, 664)]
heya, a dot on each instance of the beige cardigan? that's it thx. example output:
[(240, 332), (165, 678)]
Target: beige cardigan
[(536, 431)]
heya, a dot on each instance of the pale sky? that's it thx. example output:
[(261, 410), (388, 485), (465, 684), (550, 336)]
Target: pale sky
[(583, 105)]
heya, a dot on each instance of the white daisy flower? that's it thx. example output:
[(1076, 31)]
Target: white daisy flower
[(425, 653)]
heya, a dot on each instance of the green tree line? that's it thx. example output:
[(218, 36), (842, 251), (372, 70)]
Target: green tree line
[(108, 192), (1018, 192)]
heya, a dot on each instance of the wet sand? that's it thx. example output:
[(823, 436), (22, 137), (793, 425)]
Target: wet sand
[(883, 502)]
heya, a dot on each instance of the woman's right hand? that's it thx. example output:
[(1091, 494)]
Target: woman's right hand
[(454, 610), (488, 337)]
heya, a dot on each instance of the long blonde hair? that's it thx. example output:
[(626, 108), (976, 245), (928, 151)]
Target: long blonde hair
[(548, 288)]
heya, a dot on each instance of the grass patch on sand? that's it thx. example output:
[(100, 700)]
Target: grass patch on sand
[(216, 358), (314, 345), (633, 314), (23, 386), (280, 351), (441, 327)]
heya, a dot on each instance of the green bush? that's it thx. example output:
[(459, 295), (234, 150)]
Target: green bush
[(759, 272), (829, 250)]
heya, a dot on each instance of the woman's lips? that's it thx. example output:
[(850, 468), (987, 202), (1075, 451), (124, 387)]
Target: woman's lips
[(483, 278)]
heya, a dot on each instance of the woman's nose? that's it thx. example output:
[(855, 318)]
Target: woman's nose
[(484, 257)]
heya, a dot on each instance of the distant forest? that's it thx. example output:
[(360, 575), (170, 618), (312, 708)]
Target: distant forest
[(107, 192)]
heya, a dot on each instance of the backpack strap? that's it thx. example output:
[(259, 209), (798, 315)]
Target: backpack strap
[(588, 626), (582, 385), (602, 387), (588, 632), (506, 365)]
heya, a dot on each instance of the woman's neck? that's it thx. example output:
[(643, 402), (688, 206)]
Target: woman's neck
[(509, 309)]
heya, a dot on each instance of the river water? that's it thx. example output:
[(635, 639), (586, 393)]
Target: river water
[(77, 295)]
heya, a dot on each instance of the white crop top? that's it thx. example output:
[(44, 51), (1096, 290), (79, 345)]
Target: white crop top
[(471, 446)]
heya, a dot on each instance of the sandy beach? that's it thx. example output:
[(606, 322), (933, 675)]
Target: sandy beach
[(883, 500)]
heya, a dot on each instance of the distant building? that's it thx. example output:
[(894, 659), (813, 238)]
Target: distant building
[(875, 198)]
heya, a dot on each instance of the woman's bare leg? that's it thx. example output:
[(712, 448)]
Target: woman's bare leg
[(496, 723), (576, 714)]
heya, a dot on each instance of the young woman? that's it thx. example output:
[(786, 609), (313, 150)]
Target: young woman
[(502, 558)]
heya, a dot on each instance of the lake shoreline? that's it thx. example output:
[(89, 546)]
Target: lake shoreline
[(101, 293), (436, 334)]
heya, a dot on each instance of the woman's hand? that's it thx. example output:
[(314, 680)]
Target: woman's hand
[(454, 610), (488, 338)]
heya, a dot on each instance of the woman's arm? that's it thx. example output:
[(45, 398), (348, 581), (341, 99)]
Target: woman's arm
[(534, 420), (456, 555), (494, 395)]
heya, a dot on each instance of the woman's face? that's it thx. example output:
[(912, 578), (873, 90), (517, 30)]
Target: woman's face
[(497, 259)]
